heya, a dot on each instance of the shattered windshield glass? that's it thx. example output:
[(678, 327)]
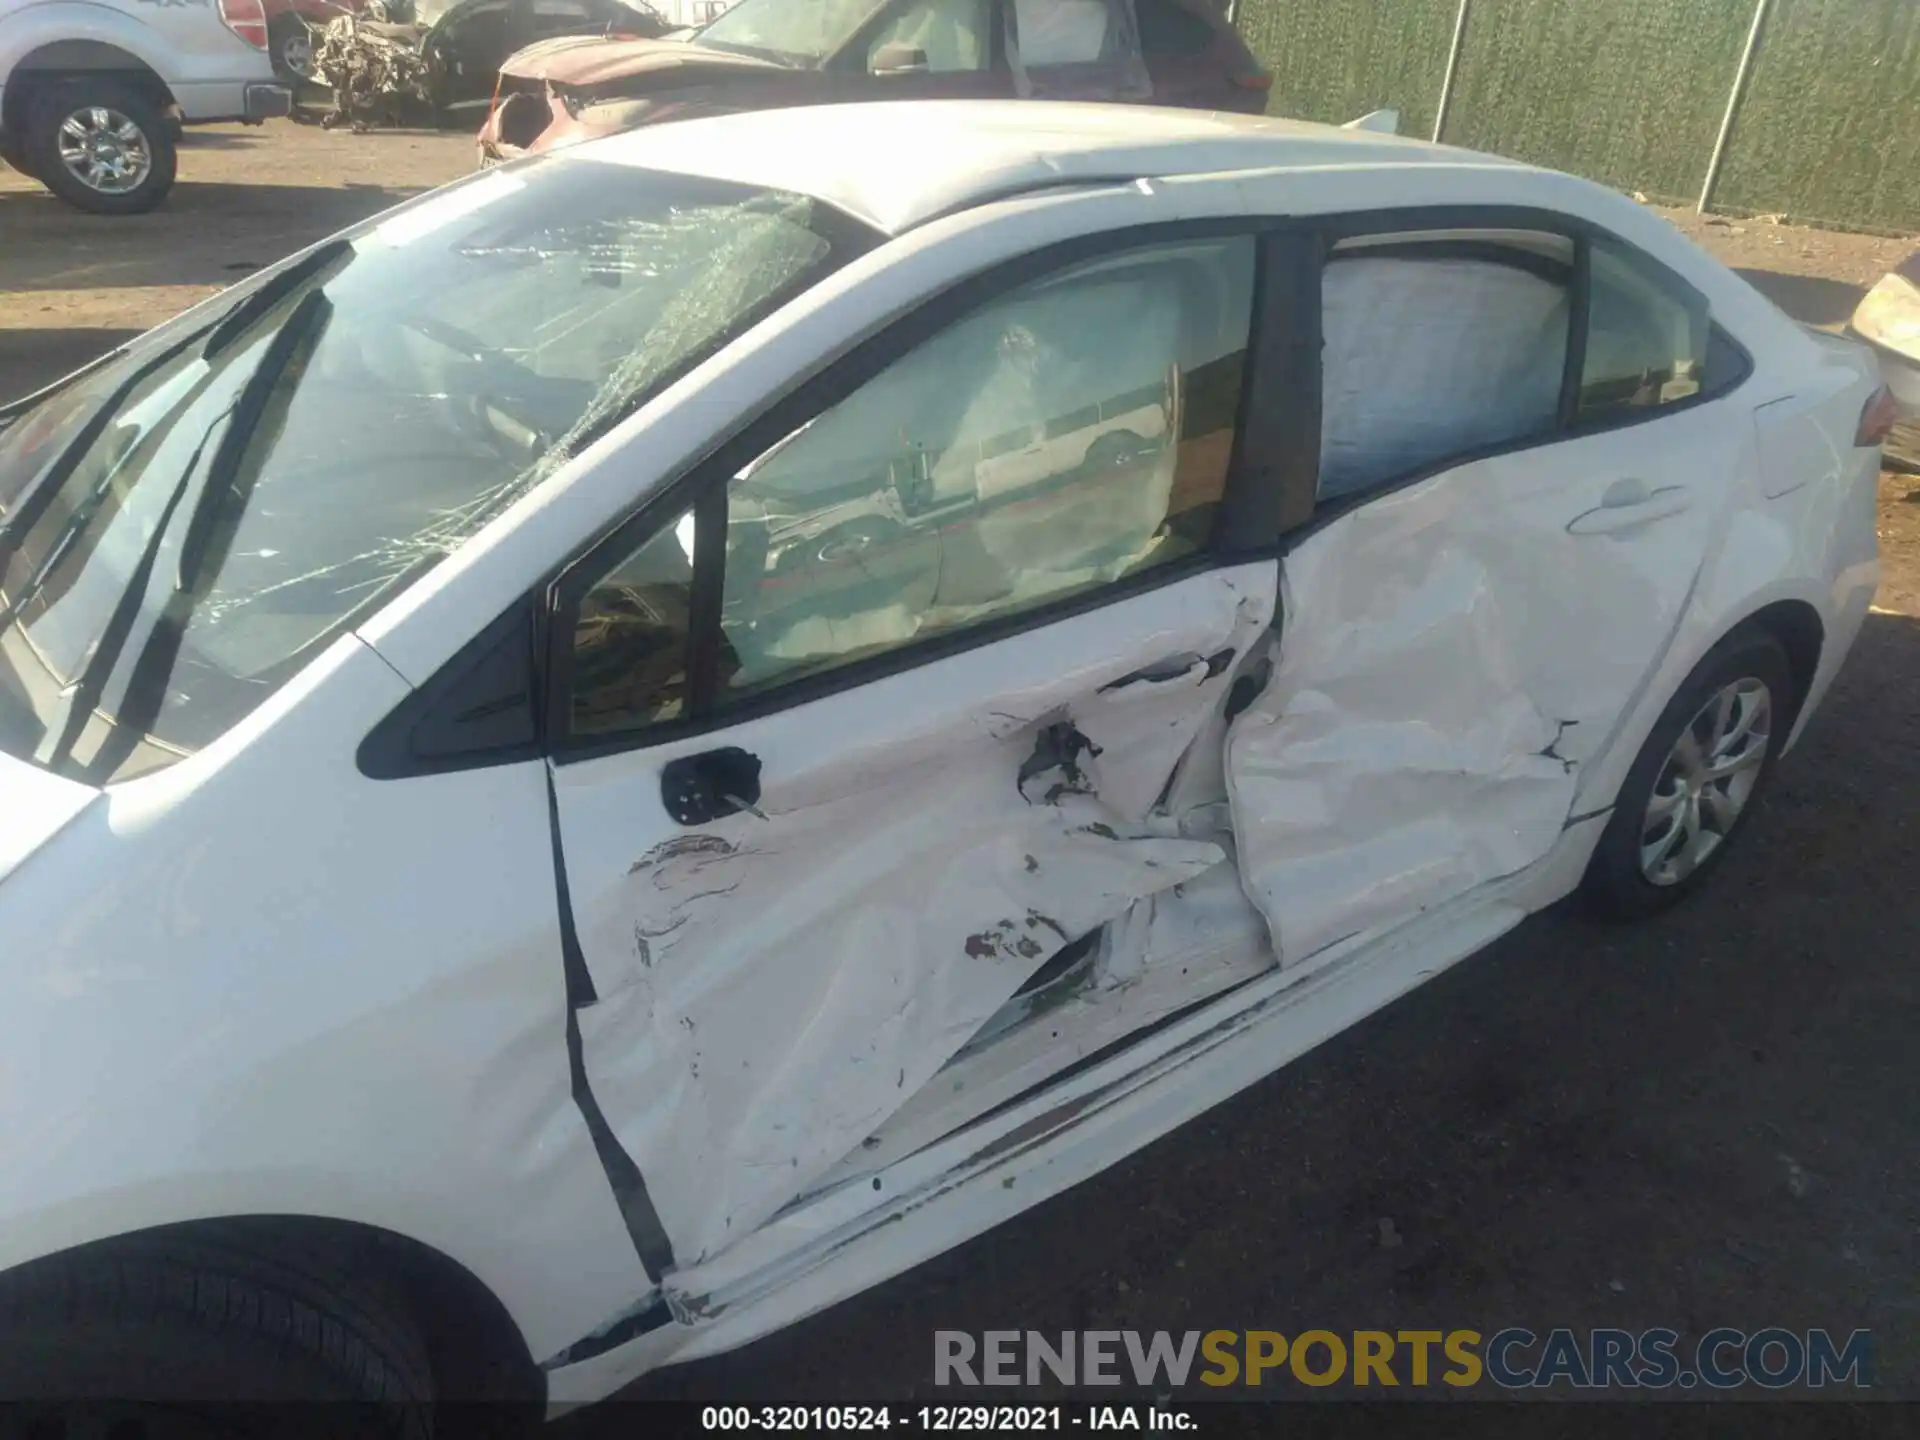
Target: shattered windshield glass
[(795, 32), (182, 529)]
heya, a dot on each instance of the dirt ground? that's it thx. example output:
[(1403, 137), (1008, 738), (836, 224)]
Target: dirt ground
[(1704, 1120)]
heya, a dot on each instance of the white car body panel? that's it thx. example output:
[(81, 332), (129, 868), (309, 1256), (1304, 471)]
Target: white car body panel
[(410, 1073), (364, 1015), (39, 805), (770, 990), (1026, 1154)]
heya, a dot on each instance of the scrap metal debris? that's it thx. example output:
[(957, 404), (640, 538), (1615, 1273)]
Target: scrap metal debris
[(373, 67)]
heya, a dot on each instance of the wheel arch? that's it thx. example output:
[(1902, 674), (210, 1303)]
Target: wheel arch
[(1788, 611), (476, 1349), (61, 59), (1801, 633)]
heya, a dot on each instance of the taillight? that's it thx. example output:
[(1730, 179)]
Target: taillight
[(1877, 420), (1255, 80), (247, 19)]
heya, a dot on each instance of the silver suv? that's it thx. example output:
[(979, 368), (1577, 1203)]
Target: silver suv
[(93, 92)]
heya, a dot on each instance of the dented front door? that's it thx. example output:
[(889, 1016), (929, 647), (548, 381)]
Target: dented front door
[(809, 856)]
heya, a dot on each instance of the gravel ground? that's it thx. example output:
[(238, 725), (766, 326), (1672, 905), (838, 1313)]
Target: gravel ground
[(1703, 1120)]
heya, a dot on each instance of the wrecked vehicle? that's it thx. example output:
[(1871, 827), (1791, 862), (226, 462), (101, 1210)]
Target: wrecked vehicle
[(765, 53), (1888, 319), (635, 745), (294, 28), (442, 55)]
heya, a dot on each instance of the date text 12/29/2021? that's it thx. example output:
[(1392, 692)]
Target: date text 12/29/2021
[(941, 1418)]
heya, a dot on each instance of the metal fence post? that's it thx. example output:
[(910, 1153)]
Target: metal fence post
[(1733, 105), (1453, 68)]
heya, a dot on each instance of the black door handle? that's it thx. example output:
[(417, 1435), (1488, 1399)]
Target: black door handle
[(697, 789)]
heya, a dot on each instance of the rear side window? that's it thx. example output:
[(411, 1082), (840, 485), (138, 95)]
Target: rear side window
[(1438, 347), (1648, 336), (1440, 344)]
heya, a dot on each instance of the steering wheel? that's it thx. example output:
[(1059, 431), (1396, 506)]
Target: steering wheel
[(484, 408)]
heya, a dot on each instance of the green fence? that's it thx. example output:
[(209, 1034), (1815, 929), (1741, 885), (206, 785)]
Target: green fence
[(1633, 92)]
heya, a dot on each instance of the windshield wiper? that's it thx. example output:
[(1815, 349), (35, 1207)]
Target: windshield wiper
[(147, 685), (237, 320), (218, 335), (84, 697), (40, 491), (204, 547)]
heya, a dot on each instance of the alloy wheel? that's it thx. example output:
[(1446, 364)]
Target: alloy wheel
[(105, 150), (296, 51), (1708, 778)]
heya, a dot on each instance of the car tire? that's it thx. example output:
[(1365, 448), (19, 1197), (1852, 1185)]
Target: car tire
[(1648, 858), (232, 1312), (13, 151), (290, 44), (134, 127)]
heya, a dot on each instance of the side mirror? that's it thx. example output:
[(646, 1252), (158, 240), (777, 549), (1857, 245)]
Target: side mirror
[(895, 59)]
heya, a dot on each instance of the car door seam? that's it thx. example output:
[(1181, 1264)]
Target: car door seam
[(629, 1186)]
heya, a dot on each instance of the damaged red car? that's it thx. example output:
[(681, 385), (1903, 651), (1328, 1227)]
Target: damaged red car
[(763, 54)]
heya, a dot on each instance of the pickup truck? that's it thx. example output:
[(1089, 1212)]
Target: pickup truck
[(93, 92)]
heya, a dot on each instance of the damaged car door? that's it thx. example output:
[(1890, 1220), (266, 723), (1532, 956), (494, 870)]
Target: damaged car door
[(1524, 460), (864, 720)]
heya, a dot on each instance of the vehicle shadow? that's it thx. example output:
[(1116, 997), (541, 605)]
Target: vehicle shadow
[(1811, 299), (196, 137), (1664, 1123), (205, 234)]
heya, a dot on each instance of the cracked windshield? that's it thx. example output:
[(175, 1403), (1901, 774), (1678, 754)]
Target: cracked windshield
[(183, 527)]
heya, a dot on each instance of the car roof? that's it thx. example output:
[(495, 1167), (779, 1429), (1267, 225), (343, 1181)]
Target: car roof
[(897, 164)]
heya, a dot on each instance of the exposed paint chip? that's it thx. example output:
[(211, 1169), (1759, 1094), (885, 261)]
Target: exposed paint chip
[(714, 846), (1058, 746)]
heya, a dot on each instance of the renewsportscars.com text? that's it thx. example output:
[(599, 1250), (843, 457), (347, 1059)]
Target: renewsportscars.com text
[(1514, 1358)]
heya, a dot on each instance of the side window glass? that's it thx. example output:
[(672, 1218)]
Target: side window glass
[(631, 637), (1075, 50), (1435, 347), (1060, 32), (1064, 437), (951, 35), (1168, 28), (1647, 336)]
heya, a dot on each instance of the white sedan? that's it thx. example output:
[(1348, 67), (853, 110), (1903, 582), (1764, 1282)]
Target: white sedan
[(656, 736)]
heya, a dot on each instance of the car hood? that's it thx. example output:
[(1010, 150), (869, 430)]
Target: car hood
[(34, 807), (593, 60)]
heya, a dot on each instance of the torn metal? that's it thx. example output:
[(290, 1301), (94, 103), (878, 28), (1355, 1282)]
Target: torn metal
[(771, 991), (1397, 758), (373, 68)]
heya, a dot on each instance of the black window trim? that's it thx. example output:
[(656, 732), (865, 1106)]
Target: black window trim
[(1568, 426), (1246, 527), (1270, 501)]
